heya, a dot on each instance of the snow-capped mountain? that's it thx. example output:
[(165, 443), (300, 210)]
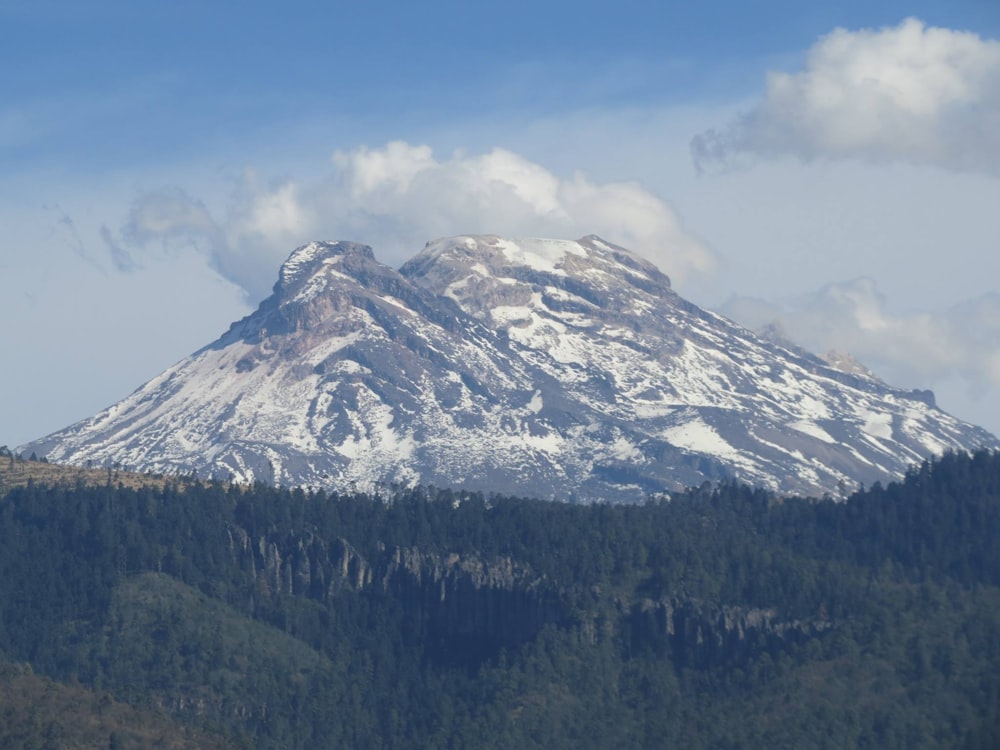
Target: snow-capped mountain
[(536, 367)]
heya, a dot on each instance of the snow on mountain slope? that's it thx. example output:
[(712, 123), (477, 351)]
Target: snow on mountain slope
[(607, 326), (538, 367)]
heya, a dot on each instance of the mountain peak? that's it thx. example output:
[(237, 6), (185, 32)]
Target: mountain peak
[(307, 259), (488, 275), (538, 254), (548, 256)]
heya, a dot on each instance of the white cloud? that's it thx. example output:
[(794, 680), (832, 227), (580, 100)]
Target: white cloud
[(391, 168), (910, 93), (398, 197), (957, 349)]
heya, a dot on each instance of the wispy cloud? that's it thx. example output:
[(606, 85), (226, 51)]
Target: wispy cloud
[(167, 220), (910, 93), (120, 257), (906, 348), (66, 230), (168, 215), (396, 198)]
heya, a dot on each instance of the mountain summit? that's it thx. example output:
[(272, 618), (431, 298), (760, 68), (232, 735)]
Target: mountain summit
[(568, 370)]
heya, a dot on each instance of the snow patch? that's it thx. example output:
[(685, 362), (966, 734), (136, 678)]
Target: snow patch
[(698, 437), (539, 254), (624, 450), (300, 258), (878, 425), (812, 429), (535, 405)]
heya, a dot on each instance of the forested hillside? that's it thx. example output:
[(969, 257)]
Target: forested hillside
[(723, 617)]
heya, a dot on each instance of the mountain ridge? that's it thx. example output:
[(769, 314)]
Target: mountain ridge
[(561, 369)]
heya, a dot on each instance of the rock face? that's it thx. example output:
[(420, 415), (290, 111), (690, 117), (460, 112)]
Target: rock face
[(465, 603), (469, 608), (566, 370)]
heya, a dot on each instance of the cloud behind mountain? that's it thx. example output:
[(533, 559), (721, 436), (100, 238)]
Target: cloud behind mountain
[(395, 197)]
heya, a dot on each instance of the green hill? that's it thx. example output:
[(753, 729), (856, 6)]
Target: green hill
[(38, 712), (724, 617)]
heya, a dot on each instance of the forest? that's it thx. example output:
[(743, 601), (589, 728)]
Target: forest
[(205, 615)]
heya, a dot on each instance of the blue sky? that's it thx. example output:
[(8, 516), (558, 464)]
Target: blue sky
[(102, 83), (159, 160)]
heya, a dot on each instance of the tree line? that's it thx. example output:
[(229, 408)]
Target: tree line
[(724, 616)]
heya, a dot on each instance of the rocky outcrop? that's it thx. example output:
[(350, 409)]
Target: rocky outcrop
[(701, 635), (469, 606)]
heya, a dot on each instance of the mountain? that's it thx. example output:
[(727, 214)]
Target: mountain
[(565, 370)]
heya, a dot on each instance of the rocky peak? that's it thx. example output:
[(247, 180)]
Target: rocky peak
[(340, 284), (305, 261), (847, 362), (493, 278)]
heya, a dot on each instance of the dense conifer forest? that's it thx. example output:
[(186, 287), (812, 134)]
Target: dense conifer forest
[(196, 614)]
